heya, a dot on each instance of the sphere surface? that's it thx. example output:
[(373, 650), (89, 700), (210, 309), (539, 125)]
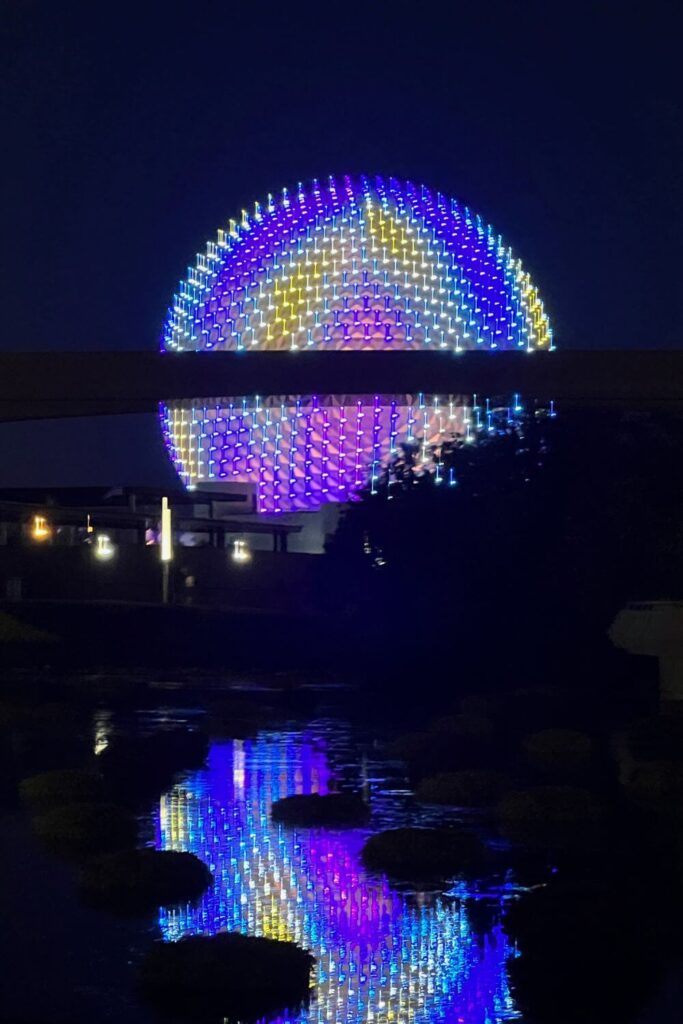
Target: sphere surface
[(354, 264)]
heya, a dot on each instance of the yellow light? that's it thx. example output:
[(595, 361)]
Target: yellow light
[(166, 532), (41, 529)]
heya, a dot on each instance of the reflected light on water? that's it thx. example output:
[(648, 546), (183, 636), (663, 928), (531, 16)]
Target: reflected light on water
[(382, 955)]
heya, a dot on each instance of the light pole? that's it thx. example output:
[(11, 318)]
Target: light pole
[(166, 548)]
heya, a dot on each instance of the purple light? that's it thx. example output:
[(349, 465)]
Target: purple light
[(352, 265), (381, 954)]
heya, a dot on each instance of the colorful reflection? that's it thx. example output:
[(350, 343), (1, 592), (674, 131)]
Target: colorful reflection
[(382, 955)]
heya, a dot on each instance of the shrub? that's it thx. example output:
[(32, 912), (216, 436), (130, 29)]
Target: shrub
[(563, 752), (52, 789), (422, 852), (227, 975), (453, 745), (333, 809), (138, 880), (76, 830), (658, 785), (547, 807), (469, 788)]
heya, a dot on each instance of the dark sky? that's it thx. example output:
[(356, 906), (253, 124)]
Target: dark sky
[(131, 132)]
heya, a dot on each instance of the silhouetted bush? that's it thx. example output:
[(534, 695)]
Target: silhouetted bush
[(422, 852), (76, 830), (137, 767), (452, 746), (138, 880), (473, 727), (229, 975), (657, 785), (568, 820), (55, 788), (470, 788), (338, 809), (563, 753), (546, 807)]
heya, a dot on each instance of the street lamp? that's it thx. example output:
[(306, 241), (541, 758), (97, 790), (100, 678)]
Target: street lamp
[(166, 547), (104, 550), (240, 551), (40, 529)]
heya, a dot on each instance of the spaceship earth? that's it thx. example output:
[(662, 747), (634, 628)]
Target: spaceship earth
[(348, 264)]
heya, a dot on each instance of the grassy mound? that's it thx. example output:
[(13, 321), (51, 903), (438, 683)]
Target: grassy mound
[(658, 785), (568, 820), (470, 788), (563, 753), (228, 975), (544, 807), (455, 743), (422, 852), (77, 830), (334, 809), (139, 880), (53, 789)]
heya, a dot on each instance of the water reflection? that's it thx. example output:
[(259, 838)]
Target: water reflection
[(382, 955)]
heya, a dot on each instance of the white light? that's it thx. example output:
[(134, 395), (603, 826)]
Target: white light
[(104, 549), (240, 551), (166, 532)]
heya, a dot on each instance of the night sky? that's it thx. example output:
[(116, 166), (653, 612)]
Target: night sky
[(131, 132)]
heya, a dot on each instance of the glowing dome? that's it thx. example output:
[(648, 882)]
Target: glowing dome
[(349, 265)]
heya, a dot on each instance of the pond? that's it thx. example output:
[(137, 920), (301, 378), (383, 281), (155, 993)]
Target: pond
[(383, 953)]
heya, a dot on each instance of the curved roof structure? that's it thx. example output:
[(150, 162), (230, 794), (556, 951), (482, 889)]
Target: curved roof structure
[(371, 263)]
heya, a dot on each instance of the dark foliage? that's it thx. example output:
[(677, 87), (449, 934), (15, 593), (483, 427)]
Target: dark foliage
[(55, 788), (140, 880), (416, 853), (549, 528), (586, 952), (231, 975), (77, 830), (470, 788)]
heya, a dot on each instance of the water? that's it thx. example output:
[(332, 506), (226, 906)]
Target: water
[(384, 954)]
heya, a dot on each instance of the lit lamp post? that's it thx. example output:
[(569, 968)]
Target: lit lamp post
[(40, 529), (240, 551), (104, 550), (166, 548)]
